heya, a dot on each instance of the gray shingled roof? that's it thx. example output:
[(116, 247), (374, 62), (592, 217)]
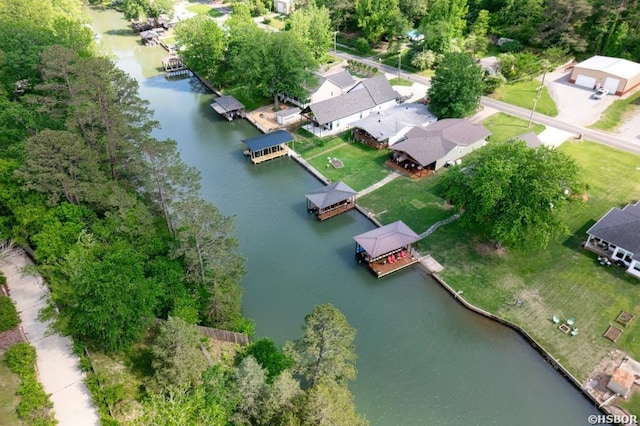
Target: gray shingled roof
[(386, 239), (360, 98), (341, 79), (226, 104), (330, 194), (428, 144), (287, 112), (384, 124), (267, 140), (530, 138), (620, 228)]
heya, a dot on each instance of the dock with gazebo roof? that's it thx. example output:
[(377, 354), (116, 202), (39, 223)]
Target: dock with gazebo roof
[(173, 65), (331, 200), (387, 249), (268, 146), (228, 107)]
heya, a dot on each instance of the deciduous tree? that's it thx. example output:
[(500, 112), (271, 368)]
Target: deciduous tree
[(201, 45), (513, 192), (330, 404), (312, 25), (456, 87)]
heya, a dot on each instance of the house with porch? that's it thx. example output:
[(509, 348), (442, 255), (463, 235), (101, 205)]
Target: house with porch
[(427, 149), (384, 128), (617, 236), (338, 113)]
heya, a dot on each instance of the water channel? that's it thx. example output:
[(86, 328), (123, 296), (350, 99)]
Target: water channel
[(423, 359)]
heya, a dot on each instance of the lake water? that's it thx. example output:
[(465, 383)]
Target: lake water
[(423, 359)]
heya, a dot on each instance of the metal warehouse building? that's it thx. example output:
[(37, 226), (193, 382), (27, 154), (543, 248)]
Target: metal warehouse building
[(614, 74)]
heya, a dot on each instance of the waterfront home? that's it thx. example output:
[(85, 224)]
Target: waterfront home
[(229, 107), (337, 114), (387, 249), (331, 200), (384, 128), (268, 146), (427, 149), (328, 86), (616, 236)]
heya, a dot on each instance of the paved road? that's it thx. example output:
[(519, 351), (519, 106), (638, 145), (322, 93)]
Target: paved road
[(622, 142)]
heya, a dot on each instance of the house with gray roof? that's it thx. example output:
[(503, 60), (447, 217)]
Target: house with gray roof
[(427, 149), (339, 113), (328, 86), (617, 236), (384, 128), (530, 138)]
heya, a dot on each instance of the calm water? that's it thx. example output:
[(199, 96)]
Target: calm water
[(423, 359)]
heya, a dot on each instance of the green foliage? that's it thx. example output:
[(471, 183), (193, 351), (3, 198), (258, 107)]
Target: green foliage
[(35, 406), (424, 60), (8, 314), (326, 351), (515, 193), (378, 18), (329, 403), (177, 359), (490, 82), (267, 354), (456, 87), (312, 25), (182, 407), (197, 35)]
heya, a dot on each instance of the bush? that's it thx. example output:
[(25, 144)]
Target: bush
[(20, 358), (490, 82), (8, 314), (362, 45), (512, 46), (266, 21)]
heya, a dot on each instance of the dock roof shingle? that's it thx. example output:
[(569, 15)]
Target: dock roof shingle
[(330, 194), (386, 239)]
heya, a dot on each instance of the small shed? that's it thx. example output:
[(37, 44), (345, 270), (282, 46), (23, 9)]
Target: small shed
[(331, 200), (284, 7), (268, 146), (617, 75), (150, 38), (621, 382), (387, 249), (228, 107), (286, 116)]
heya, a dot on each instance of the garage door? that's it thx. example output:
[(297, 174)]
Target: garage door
[(586, 81), (611, 84)]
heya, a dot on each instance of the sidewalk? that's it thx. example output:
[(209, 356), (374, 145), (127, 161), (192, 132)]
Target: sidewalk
[(56, 364)]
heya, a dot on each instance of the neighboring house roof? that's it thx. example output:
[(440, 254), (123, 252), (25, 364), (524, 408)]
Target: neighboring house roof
[(365, 95), (341, 79), (386, 239), (614, 66), (384, 124), (428, 144), (530, 138), (149, 34), (621, 382), (490, 64), (330, 194), (288, 112), (620, 227), (267, 140), (225, 104)]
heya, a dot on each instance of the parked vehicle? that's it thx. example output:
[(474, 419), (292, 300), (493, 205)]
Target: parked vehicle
[(600, 93)]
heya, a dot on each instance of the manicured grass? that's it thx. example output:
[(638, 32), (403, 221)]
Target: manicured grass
[(277, 23), (523, 93), (309, 146), (563, 279), (504, 127), (363, 166), (405, 63), (9, 383), (633, 404), (612, 116), (400, 82), (204, 9), (248, 97), (416, 203)]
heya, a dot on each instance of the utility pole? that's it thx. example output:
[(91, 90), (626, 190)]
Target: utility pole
[(335, 43), (399, 63), (538, 91)]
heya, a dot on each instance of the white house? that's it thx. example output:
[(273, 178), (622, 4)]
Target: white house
[(617, 236), (338, 113), (284, 6), (328, 86)]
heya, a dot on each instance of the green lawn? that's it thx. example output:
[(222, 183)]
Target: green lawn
[(363, 166), (9, 383), (612, 117), (504, 127), (277, 23), (400, 82), (563, 279), (309, 146), (416, 203), (204, 9), (523, 93)]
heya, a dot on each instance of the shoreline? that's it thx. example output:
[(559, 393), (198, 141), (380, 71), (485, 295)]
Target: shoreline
[(548, 357)]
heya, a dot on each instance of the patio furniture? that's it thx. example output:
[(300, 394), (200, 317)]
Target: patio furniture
[(555, 319), (571, 321)]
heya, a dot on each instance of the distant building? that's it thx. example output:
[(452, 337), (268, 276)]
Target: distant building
[(284, 7), (618, 76)]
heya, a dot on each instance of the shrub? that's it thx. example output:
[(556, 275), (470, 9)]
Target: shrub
[(8, 314), (490, 82), (362, 45), (266, 21), (512, 46), (424, 60), (20, 358)]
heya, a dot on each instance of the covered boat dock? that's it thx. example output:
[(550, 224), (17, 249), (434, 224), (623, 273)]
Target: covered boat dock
[(331, 200), (228, 107), (387, 249), (268, 146)]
